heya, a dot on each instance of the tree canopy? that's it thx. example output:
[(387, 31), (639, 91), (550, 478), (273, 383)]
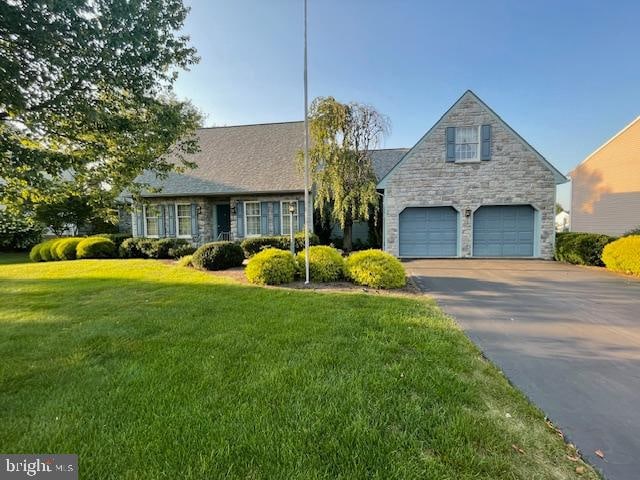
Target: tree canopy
[(342, 136), (86, 98)]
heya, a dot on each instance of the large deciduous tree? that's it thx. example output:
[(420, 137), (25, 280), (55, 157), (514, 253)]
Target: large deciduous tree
[(342, 136), (86, 99)]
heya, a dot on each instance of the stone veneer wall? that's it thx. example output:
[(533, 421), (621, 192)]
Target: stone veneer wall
[(514, 175)]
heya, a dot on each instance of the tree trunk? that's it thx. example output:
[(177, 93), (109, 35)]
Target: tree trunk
[(347, 244)]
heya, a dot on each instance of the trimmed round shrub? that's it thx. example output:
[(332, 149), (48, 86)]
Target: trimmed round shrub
[(95, 247), (186, 261), (623, 255), (325, 263), (218, 256), (45, 250), (65, 248), (116, 238), (34, 254), (375, 268), (182, 251), (131, 248), (581, 248), (271, 267)]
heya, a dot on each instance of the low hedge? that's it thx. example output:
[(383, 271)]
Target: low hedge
[(34, 254), (581, 248), (375, 268), (254, 245), (271, 267), (96, 247), (131, 248), (218, 256), (623, 255), (116, 238), (325, 264), (45, 250), (65, 248), (141, 247)]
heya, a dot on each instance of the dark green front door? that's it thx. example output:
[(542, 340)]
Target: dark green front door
[(223, 216)]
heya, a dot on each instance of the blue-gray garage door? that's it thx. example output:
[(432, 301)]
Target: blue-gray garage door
[(429, 232), (503, 231)]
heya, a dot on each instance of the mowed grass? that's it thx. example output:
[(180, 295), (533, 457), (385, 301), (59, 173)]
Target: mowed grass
[(151, 371)]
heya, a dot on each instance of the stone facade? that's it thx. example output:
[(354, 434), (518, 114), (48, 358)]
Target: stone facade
[(206, 208), (515, 175)]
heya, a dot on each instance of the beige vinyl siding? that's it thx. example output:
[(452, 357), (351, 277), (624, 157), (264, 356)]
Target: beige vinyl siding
[(605, 192)]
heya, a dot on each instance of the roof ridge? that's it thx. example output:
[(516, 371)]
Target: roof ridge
[(250, 125)]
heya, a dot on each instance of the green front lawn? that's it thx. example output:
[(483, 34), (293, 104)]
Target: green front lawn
[(152, 371)]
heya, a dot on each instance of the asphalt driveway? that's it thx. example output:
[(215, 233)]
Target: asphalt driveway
[(567, 336)]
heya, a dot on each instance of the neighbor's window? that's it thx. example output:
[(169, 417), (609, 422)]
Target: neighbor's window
[(151, 220), (183, 220), (252, 217), (284, 210), (467, 145)]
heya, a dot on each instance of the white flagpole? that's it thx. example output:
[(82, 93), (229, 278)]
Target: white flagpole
[(308, 211)]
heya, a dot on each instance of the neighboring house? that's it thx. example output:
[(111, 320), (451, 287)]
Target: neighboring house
[(245, 179), (470, 187), (563, 222), (605, 187)]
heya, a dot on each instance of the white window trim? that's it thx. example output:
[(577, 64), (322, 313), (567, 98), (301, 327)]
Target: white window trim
[(178, 222), (478, 154), (282, 215), (246, 225), (144, 221)]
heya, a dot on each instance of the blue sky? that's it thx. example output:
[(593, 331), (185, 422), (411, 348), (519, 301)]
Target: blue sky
[(564, 74)]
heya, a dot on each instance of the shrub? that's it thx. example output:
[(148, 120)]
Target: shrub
[(182, 251), (623, 255), (116, 238), (65, 248), (375, 268), (95, 247), (325, 263), (186, 261), (633, 231), (254, 245), (131, 248), (581, 248), (34, 254), (159, 248), (45, 250), (18, 231), (271, 267), (218, 256)]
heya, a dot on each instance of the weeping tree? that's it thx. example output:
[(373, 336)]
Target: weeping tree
[(342, 135), (86, 101)]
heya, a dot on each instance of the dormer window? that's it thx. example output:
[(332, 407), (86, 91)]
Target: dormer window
[(467, 143)]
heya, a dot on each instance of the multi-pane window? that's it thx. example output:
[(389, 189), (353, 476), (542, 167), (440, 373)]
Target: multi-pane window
[(252, 217), (467, 146), (151, 220), (286, 216), (183, 220)]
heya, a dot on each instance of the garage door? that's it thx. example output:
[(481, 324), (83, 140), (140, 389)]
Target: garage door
[(503, 231), (429, 232)]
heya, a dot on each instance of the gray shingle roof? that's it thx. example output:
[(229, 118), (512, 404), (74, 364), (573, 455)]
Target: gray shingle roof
[(249, 159)]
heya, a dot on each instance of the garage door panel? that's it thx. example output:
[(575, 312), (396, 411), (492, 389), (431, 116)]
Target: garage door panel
[(428, 232), (503, 231)]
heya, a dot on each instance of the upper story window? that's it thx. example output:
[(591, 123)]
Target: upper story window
[(467, 143), (183, 219), (286, 216), (151, 221), (252, 218)]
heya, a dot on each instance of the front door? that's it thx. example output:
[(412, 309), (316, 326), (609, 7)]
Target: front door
[(223, 216)]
